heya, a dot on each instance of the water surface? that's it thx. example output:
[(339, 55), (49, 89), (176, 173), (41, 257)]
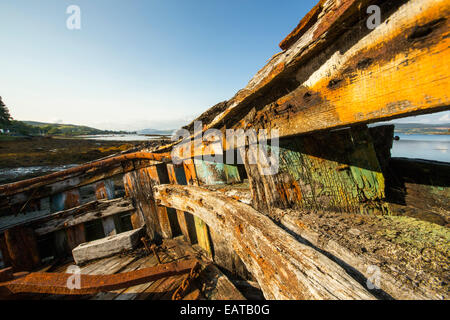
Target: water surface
[(422, 146), (120, 137)]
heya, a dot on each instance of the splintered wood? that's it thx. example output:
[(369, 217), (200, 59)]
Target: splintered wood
[(283, 267)]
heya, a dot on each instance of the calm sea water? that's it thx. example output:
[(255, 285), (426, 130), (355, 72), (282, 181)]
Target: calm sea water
[(422, 146), (120, 137)]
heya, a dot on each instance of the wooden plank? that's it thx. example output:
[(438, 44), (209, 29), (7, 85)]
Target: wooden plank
[(22, 248), (216, 285), (87, 212), (15, 194), (352, 261), (75, 236), (96, 265), (156, 286), (283, 267), (394, 71), (185, 220), (138, 186), (132, 292), (135, 264), (336, 171), (105, 190), (225, 257), (60, 243), (202, 230), (4, 249), (65, 200), (109, 226), (340, 73), (159, 175)]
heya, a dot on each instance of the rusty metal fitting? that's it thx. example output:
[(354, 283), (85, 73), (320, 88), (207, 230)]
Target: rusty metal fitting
[(153, 247)]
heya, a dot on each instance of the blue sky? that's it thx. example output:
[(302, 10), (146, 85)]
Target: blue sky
[(136, 64)]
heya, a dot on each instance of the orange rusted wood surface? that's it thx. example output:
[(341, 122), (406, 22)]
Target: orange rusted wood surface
[(337, 72), (75, 236), (283, 267), (22, 248), (57, 283), (305, 23)]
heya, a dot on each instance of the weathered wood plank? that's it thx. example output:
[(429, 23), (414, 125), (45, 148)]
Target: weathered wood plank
[(391, 72), (15, 194), (202, 231), (201, 172), (105, 190), (75, 235), (159, 175), (22, 248), (178, 175), (336, 171), (284, 267), (138, 186), (353, 261), (87, 212), (340, 73)]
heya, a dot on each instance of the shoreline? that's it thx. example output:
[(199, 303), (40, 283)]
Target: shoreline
[(42, 155)]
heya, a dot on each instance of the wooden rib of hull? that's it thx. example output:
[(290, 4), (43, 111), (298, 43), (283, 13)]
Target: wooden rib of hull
[(284, 267)]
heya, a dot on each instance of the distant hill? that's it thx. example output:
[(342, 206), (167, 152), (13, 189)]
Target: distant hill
[(422, 128), (56, 129), (156, 132)]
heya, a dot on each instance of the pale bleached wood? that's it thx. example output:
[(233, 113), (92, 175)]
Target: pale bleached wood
[(283, 267), (91, 211)]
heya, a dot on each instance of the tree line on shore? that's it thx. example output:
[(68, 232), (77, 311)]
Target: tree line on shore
[(15, 127)]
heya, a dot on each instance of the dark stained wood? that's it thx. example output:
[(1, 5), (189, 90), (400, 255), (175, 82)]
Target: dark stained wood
[(159, 175), (181, 174), (336, 171), (138, 186), (22, 248), (75, 236)]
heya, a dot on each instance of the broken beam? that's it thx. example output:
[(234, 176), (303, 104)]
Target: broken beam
[(283, 267), (57, 283)]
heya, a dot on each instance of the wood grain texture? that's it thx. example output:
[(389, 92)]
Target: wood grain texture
[(336, 171), (338, 72), (178, 175), (283, 267), (14, 195), (138, 186), (78, 215)]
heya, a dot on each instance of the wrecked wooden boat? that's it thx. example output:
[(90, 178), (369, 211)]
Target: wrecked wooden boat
[(339, 218)]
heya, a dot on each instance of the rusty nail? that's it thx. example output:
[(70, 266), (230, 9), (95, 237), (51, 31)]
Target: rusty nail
[(153, 247)]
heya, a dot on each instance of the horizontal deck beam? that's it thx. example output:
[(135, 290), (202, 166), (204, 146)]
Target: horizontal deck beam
[(40, 187)]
